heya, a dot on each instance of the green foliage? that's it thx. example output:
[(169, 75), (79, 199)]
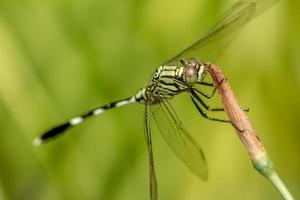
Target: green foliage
[(59, 58)]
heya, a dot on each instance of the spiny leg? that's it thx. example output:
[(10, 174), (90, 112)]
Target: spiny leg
[(194, 89), (207, 107), (211, 118), (207, 84), (208, 96), (205, 115), (182, 84), (60, 129)]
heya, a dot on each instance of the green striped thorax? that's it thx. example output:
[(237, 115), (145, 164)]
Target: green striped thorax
[(170, 80)]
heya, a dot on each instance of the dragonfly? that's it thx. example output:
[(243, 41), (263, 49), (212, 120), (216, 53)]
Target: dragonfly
[(185, 72)]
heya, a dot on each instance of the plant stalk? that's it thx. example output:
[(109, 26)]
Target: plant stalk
[(246, 132)]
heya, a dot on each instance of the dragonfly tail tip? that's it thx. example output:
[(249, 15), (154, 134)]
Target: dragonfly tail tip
[(37, 141)]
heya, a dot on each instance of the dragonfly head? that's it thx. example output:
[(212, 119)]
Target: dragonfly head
[(194, 71)]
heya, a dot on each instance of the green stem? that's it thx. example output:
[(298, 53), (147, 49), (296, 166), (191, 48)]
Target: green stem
[(277, 182), (264, 166), (246, 132)]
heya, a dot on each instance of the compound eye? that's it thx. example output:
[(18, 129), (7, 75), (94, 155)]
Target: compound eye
[(191, 75)]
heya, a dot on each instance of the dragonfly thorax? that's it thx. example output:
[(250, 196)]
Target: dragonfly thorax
[(170, 80)]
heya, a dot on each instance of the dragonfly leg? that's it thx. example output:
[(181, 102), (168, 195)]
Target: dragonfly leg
[(207, 84), (205, 115), (212, 118), (208, 96), (207, 107)]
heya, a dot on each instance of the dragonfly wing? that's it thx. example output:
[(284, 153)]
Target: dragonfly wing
[(221, 33), (152, 176), (182, 144)]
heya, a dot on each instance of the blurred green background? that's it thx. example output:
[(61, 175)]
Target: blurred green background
[(59, 58)]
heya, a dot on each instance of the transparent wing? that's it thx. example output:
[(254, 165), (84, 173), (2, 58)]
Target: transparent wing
[(182, 144), (152, 176), (221, 33)]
